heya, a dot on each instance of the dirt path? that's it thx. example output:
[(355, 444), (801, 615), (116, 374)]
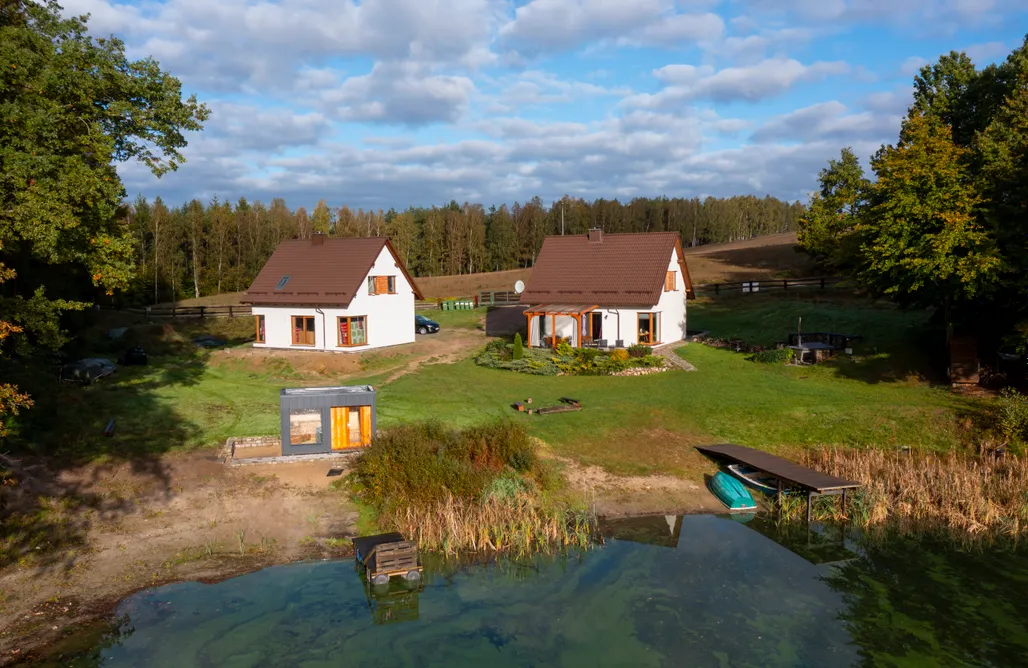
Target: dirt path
[(618, 496), (197, 520)]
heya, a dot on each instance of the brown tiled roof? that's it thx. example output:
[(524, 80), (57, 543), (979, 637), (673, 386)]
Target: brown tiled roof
[(325, 274), (618, 270)]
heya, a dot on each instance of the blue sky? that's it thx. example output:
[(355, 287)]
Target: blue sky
[(391, 103)]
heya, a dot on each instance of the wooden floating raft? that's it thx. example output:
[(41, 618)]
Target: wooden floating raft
[(386, 555), (788, 474)]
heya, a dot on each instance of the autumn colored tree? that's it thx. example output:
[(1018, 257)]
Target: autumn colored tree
[(921, 240)]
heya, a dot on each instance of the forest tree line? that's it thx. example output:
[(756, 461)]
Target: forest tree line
[(201, 249)]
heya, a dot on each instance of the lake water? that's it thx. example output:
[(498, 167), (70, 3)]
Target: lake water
[(659, 591)]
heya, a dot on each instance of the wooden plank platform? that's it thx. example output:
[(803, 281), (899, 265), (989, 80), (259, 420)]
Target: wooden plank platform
[(789, 472)]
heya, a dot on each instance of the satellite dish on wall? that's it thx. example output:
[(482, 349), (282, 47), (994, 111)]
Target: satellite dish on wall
[(519, 287)]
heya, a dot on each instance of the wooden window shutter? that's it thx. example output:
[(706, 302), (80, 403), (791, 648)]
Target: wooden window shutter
[(669, 282), (381, 285)]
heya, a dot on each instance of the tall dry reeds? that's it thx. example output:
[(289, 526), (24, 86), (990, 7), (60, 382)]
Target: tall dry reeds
[(517, 525), (959, 492)]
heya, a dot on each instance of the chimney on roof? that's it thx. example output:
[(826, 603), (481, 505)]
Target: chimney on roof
[(595, 235), (318, 239)]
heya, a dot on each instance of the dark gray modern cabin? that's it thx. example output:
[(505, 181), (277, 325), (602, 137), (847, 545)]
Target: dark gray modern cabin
[(327, 419)]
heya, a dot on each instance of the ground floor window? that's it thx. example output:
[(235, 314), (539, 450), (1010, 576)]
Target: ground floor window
[(353, 331), (303, 330), (305, 426), (259, 321), (649, 327)]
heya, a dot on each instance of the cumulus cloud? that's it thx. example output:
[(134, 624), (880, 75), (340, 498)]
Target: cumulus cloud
[(676, 30), (558, 25), (396, 102), (238, 44), (765, 79), (984, 53), (828, 121), (399, 93)]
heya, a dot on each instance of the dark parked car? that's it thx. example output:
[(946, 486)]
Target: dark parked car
[(423, 325), (88, 370)]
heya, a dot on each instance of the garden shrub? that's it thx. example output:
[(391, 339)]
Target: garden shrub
[(619, 355), (519, 351), (1013, 419), (650, 361), (426, 462), (776, 356), (639, 350), (564, 349), (587, 355)]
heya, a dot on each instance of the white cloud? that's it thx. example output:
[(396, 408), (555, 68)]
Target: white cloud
[(676, 30), (828, 121), (983, 54), (912, 65), (558, 25), (766, 79), (399, 93)]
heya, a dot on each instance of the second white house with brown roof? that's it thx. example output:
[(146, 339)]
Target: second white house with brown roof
[(608, 290), (337, 294)]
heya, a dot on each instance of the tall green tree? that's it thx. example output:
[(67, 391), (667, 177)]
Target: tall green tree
[(832, 212), (72, 107)]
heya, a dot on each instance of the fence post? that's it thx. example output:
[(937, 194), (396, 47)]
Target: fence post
[(822, 283), (148, 312), (202, 311), (785, 284), (717, 288), (230, 311), (174, 315)]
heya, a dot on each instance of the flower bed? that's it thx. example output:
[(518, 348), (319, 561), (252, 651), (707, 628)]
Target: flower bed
[(566, 361)]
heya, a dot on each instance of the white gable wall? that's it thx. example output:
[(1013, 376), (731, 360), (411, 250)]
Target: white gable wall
[(390, 318)]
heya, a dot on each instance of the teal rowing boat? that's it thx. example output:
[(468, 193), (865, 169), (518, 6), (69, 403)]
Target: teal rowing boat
[(731, 492)]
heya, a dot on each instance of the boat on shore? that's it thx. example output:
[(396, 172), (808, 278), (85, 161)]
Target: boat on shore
[(731, 492), (754, 477)]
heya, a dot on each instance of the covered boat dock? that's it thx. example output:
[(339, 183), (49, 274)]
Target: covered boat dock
[(789, 474)]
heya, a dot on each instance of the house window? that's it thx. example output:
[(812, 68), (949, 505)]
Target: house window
[(669, 282), (305, 426), (381, 285), (259, 323), (353, 331), (281, 282), (649, 327), (303, 330)]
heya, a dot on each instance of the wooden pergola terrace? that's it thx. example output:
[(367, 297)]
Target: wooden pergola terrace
[(574, 311)]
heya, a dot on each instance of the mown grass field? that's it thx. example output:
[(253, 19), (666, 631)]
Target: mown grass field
[(190, 398)]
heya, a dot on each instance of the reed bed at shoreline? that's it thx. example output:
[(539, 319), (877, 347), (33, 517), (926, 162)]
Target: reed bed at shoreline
[(465, 490), (960, 493), (520, 525)]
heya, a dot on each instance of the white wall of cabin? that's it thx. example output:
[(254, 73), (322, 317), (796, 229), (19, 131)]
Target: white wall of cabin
[(390, 318)]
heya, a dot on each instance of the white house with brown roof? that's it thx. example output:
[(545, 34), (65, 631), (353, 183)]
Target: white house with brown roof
[(337, 294), (608, 290)]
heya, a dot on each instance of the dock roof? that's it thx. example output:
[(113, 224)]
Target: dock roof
[(781, 468)]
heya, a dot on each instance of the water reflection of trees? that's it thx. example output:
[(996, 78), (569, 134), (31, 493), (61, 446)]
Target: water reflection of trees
[(914, 603)]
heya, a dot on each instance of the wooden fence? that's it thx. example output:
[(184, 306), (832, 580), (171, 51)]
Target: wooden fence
[(498, 298), (769, 285), (230, 311)]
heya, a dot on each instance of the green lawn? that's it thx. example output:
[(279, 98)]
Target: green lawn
[(628, 424)]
